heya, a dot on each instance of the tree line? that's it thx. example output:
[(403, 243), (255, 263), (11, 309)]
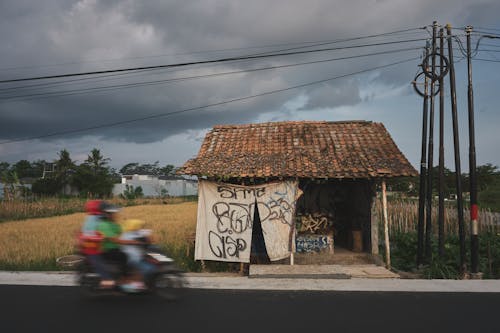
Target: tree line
[(93, 178), (488, 184)]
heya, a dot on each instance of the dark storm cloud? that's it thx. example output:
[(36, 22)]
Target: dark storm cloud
[(173, 109), (481, 14), (83, 35), (326, 96)]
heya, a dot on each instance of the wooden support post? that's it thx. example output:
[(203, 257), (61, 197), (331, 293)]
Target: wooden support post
[(331, 245), (374, 227), (203, 266), (386, 227)]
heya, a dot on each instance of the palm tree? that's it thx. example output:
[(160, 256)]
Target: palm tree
[(93, 176), (65, 167), (96, 161)]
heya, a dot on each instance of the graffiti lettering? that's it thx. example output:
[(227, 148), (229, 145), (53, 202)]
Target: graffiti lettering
[(310, 243), (232, 217), (225, 246), (313, 223), (276, 210), (230, 192)]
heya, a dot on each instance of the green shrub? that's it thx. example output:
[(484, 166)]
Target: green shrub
[(404, 252)]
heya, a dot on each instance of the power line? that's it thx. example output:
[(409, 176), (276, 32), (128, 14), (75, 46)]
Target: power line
[(493, 35), (312, 44), (166, 114), (114, 76), (482, 59), (152, 56), (320, 43), (156, 82), (99, 78), (492, 45), (488, 50), (482, 28), (52, 84), (208, 61)]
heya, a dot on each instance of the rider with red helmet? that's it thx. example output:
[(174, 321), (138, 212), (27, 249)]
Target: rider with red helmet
[(91, 241)]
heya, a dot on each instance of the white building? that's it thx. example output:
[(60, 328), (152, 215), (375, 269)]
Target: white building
[(19, 189), (154, 186)]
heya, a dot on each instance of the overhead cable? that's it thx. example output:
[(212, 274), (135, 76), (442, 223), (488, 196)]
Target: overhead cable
[(209, 61), (156, 82), (311, 44), (167, 114)]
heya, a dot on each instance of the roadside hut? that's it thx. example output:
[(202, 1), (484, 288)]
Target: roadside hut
[(328, 170)]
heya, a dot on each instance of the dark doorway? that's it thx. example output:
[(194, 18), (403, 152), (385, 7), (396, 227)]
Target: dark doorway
[(258, 252), (346, 205)]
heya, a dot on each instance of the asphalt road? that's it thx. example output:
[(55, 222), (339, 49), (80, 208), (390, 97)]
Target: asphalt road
[(63, 309)]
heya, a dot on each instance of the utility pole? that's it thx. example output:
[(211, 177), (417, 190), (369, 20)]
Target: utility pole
[(423, 172), (458, 173), (441, 148), (430, 158), (472, 164)]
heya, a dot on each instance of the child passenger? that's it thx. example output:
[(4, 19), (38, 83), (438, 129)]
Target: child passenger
[(133, 230)]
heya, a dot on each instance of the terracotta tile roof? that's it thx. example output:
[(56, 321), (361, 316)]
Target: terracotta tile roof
[(304, 149)]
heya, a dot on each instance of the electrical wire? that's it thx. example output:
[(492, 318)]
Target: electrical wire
[(312, 44), (345, 40), (209, 61), (166, 114), (99, 78), (71, 81), (488, 60), (488, 50), (496, 35), (476, 49), (148, 83), (482, 28), (151, 56), (116, 76), (491, 45)]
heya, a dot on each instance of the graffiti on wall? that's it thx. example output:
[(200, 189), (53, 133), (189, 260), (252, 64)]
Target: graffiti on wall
[(313, 243), (225, 218), (310, 223)]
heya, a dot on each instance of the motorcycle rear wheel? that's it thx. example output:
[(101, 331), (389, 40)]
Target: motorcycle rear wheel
[(87, 280)]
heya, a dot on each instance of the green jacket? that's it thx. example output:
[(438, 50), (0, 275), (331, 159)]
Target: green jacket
[(109, 230)]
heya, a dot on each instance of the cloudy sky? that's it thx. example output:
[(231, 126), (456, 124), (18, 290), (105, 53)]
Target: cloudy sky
[(163, 114)]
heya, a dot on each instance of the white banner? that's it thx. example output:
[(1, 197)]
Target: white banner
[(225, 219)]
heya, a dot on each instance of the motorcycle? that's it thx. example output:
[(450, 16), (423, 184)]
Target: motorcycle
[(167, 281)]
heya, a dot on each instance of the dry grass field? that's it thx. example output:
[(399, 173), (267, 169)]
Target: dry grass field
[(35, 244), (403, 217), (46, 207)]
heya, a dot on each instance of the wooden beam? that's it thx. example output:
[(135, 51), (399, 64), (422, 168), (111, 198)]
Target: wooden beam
[(386, 227), (374, 226)]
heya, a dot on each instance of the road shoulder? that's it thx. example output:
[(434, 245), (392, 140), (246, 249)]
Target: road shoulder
[(234, 281)]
